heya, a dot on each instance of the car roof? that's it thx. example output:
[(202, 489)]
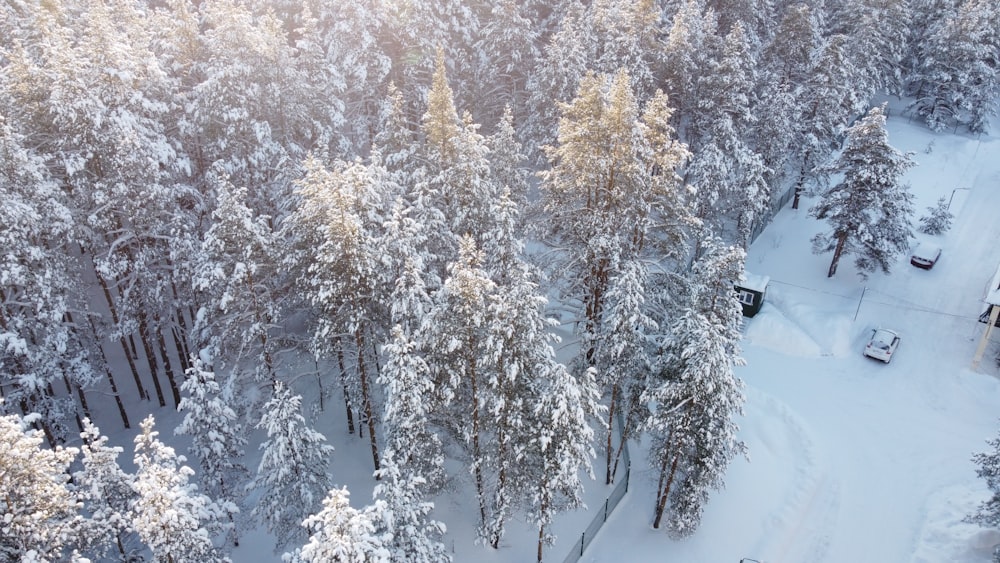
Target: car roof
[(926, 249)]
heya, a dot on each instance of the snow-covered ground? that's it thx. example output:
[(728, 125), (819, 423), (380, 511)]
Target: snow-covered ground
[(851, 460)]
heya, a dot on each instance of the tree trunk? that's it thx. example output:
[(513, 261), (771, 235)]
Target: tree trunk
[(121, 339), (148, 349), (347, 391), (665, 493), (611, 430), (110, 376), (366, 397), (168, 368), (477, 456), (841, 240)]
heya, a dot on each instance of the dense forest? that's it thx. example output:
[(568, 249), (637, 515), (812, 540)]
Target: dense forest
[(236, 208)]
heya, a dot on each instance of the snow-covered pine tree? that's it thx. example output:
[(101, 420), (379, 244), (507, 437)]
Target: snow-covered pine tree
[(342, 272), (340, 533), (869, 210), (938, 218), (292, 474), (833, 96), (217, 441), (624, 355), (236, 273), (107, 495), (695, 394), (559, 447), (40, 279), (461, 357), (628, 34), (608, 196), (175, 520), (690, 41), (880, 34), (505, 50), (40, 520), (790, 55), (987, 514)]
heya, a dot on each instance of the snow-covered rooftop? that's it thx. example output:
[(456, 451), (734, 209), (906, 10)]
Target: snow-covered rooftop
[(754, 282), (993, 290)]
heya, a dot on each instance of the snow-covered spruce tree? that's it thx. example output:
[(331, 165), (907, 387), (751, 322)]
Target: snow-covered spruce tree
[(235, 273), (175, 520), (218, 440), (340, 533), (869, 210), (938, 218), (39, 515), (292, 474), (695, 395), (107, 495), (413, 461), (987, 514)]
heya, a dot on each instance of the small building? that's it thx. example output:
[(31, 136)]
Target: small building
[(750, 291), (990, 316)]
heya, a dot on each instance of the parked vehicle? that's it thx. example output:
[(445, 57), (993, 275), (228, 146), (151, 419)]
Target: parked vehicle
[(882, 344), (925, 256)]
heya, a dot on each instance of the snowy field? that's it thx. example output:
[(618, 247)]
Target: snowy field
[(851, 460)]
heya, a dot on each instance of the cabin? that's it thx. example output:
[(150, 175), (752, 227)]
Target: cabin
[(750, 291)]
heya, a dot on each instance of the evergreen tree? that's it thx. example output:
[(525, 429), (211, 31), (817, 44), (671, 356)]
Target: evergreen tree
[(959, 79), (340, 221), (987, 514), (107, 494), (868, 210), (292, 473), (506, 50), (559, 448), (236, 273), (341, 533), (690, 42), (612, 193), (170, 515), (695, 394), (460, 356), (564, 61), (218, 440), (40, 518), (937, 220), (413, 459)]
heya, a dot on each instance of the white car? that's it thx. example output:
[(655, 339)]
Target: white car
[(925, 256), (882, 344)]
